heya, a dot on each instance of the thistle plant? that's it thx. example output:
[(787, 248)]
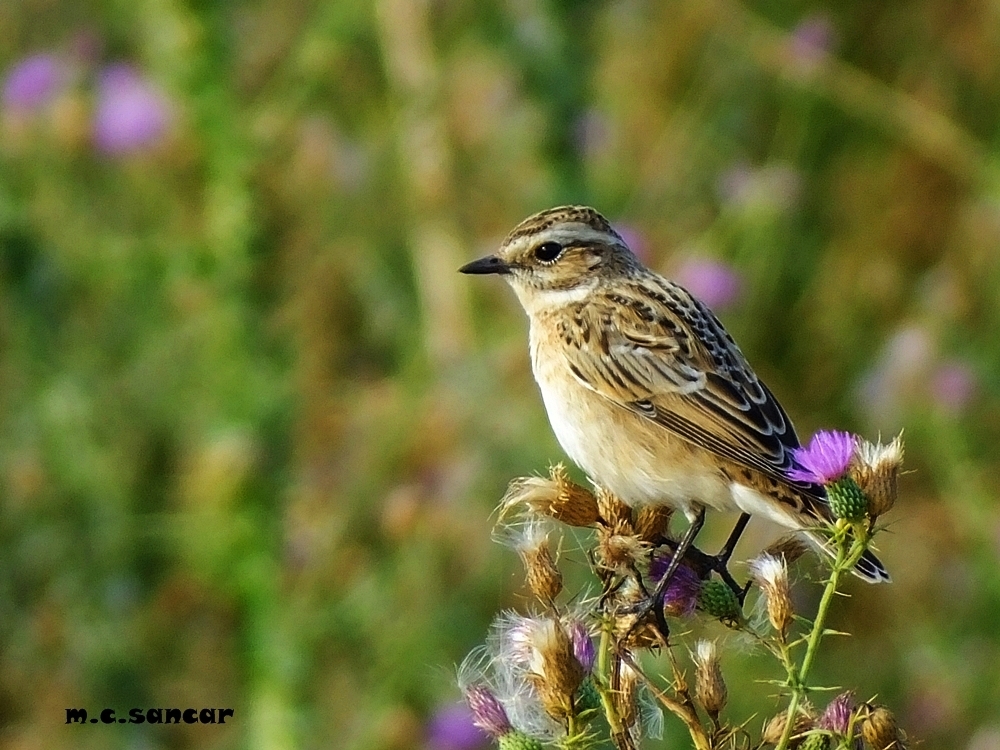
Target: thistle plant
[(580, 669)]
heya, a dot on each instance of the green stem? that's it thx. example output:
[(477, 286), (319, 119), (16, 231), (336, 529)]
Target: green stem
[(846, 558), (603, 681)]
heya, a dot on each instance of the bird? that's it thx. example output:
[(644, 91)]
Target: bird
[(645, 389)]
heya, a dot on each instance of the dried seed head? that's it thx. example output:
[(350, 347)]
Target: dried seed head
[(804, 721), (552, 667), (790, 547), (652, 522), (543, 575), (837, 715), (876, 470), (556, 496), (771, 574), (709, 686), (487, 712), (620, 552), (878, 727), (617, 516), (639, 635), (628, 696)]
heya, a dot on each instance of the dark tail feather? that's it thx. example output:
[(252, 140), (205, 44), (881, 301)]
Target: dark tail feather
[(869, 568)]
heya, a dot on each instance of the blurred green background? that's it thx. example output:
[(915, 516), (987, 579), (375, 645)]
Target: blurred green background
[(253, 424)]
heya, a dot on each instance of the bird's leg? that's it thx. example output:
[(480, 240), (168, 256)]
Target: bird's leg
[(643, 608), (720, 562), (722, 559)]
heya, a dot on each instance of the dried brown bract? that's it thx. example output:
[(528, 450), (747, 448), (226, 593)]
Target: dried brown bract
[(876, 470), (709, 686), (652, 522), (879, 729), (556, 496)]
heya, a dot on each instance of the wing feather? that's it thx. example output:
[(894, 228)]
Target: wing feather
[(656, 350)]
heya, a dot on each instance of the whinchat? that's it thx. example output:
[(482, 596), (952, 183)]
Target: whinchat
[(645, 390)]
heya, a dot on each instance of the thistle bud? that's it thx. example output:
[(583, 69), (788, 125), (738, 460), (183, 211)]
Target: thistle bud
[(487, 712), (587, 697), (771, 574), (616, 515), (543, 575), (583, 645), (552, 667), (847, 501), (815, 741), (709, 686), (652, 522), (621, 552), (837, 715), (719, 601), (804, 721), (878, 727), (876, 470), (517, 741), (557, 497)]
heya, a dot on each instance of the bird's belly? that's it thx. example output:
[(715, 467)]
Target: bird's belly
[(637, 460)]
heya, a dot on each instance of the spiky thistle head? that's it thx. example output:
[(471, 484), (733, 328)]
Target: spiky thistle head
[(771, 573), (555, 496), (709, 685), (876, 470), (825, 459)]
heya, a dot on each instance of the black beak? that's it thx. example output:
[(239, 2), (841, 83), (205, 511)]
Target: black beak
[(489, 264)]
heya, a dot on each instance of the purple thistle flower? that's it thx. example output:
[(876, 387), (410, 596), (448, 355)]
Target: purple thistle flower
[(826, 458), (583, 645), (713, 282), (132, 113), (681, 595), (34, 82), (453, 728), (837, 715), (487, 712)]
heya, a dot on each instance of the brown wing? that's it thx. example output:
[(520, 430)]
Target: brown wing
[(654, 349)]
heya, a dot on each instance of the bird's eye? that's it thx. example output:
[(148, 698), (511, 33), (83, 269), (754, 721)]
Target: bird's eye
[(548, 251)]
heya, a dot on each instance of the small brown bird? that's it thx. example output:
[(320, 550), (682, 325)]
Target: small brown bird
[(644, 388)]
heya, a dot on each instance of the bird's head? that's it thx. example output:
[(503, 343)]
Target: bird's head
[(557, 255)]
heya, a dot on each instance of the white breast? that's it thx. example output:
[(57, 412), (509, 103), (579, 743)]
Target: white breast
[(638, 461)]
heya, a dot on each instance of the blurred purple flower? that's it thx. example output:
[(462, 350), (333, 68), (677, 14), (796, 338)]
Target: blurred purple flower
[(487, 712), (952, 386), (635, 241), (837, 715), (34, 82), (583, 645), (825, 459), (713, 282), (901, 374), (132, 113), (453, 728), (681, 596), (773, 188), (811, 41)]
